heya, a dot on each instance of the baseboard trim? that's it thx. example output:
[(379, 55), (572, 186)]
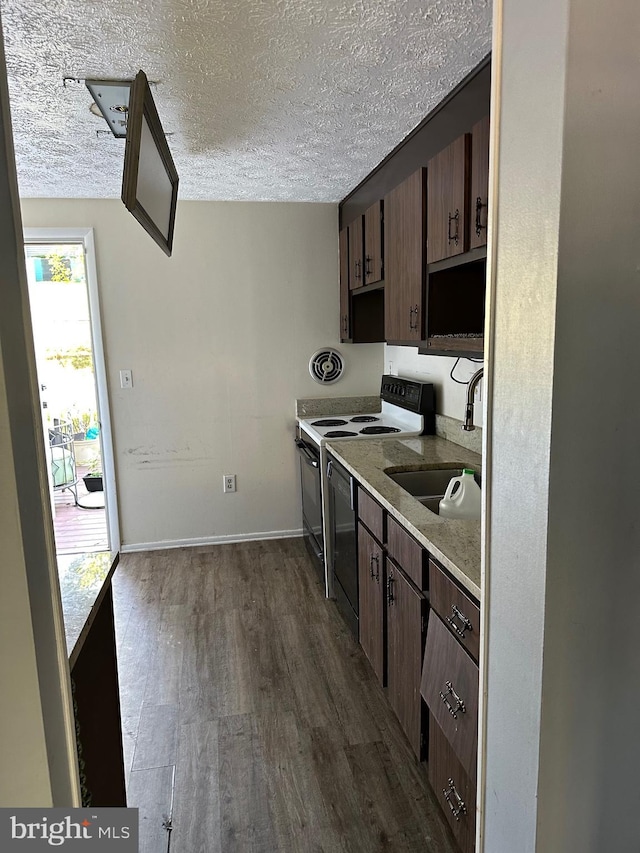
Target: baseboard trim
[(167, 544)]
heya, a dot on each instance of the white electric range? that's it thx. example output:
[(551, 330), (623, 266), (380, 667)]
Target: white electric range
[(328, 500)]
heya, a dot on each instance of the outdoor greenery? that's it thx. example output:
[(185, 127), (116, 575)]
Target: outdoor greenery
[(95, 467), (60, 268), (79, 357), (82, 421)]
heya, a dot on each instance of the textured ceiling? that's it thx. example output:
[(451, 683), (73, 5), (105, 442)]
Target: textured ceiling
[(288, 100)]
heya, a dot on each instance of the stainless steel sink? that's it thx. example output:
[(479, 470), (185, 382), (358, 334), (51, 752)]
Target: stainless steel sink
[(428, 486)]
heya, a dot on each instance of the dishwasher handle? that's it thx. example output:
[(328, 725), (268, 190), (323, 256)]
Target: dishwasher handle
[(344, 482)]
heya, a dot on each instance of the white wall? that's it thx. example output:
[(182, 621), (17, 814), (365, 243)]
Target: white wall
[(562, 578), (38, 763), (450, 396), (24, 777), (218, 338)]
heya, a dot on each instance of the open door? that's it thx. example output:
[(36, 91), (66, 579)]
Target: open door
[(65, 310)]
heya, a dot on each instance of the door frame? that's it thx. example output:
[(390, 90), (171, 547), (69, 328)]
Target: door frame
[(85, 236)]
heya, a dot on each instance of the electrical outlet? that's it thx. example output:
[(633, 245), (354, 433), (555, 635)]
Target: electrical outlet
[(229, 483)]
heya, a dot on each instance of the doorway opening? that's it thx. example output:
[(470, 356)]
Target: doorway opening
[(67, 336)]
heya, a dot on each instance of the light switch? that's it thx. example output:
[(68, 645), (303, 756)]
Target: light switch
[(126, 379)]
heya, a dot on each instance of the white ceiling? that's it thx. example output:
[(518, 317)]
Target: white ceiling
[(287, 100)]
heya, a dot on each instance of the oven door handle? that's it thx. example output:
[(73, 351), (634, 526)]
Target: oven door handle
[(309, 458)]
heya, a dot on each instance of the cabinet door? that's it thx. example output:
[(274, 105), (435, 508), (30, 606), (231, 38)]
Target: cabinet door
[(371, 599), (406, 616), (373, 263), (479, 183), (356, 254), (345, 327), (448, 201), (405, 272)]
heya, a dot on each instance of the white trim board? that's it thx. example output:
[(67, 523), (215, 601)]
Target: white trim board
[(209, 540)]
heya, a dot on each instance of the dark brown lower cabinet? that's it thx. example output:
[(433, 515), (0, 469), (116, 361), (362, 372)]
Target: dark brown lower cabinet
[(454, 789), (371, 582), (406, 622), (96, 698), (450, 689)]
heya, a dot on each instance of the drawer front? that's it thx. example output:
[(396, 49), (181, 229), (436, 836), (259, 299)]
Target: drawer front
[(457, 610), (371, 514), (449, 686), (407, 553), (453, 788)]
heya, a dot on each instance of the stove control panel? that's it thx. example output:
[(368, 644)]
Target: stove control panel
[(411, 395)]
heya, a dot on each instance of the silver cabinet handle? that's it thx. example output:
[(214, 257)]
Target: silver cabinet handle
[(459, 704), (450, 794), (375, 558), (479, 206), (455, 217), (390, 596), (457, 614)]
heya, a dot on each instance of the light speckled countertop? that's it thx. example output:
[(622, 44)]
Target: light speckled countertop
[(454, 543), (84, 579)]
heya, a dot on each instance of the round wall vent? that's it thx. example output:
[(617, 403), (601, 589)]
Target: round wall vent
[(326, 366)]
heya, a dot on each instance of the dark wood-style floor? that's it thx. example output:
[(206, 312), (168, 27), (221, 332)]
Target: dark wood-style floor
[(252, 720)]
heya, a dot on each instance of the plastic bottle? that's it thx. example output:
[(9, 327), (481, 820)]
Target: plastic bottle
[(462, 498)]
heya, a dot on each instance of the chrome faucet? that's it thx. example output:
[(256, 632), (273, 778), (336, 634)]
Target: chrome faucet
[(468, 426)]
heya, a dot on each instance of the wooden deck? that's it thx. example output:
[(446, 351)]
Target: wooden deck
[(78, 530)]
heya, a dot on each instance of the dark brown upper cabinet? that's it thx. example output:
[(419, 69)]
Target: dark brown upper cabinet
[(356, 253), (373, 245), (361, 307), (345, 319), (479, 183), (448, 200), (405, 268)]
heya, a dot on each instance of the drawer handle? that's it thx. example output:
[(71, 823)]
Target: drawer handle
[(374, 558), (450, 794), (466, 624), (459, 704)]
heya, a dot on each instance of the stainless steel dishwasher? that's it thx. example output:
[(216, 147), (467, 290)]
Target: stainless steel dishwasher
[(342, 530)]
